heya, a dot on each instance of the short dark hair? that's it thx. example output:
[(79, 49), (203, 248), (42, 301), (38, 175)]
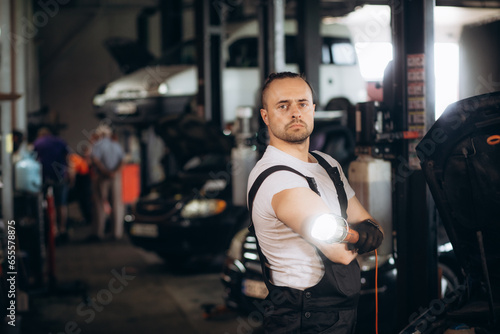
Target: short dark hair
[(282, 75)]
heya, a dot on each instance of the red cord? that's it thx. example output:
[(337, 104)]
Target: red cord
[(376, 292), (52, 223)]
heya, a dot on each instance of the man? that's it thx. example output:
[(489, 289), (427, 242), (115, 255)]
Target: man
[(314, 286), (108, 159), (52, 152)]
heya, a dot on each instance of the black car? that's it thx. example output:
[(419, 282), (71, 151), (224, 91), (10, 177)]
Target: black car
[(190, 214)]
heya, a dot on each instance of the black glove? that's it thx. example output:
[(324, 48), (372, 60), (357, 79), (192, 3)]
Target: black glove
[(370, 236)]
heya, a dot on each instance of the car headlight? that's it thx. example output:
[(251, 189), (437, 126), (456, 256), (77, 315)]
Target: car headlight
[(234, 250), (99, 100), (201, 208), (163, 88), (129, 218)]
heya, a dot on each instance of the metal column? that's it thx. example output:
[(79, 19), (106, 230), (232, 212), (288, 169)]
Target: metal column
[(7, 187), (413, 38), (271, 45), (6, 151), (143, 26), (271, 16), (209, 29), (171, 23), (308, 38), (6, 109), (20, 50)]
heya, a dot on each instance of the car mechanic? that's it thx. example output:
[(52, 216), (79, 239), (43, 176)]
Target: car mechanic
[(318, 282)]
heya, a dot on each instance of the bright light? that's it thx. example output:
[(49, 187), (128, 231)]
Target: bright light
[(373, 59), (324, 228), (163, 88), (446, 75), (329, 228), (250, 256), (201, 208)]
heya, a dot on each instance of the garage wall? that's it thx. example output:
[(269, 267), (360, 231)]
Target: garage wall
[(74, 62), (479, 54)]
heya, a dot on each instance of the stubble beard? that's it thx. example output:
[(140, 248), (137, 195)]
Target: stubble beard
[(294, 137)]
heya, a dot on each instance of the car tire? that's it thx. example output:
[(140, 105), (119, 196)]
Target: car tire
[(340, 103), (449, 280)]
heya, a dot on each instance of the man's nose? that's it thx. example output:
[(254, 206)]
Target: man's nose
[(295, 110)]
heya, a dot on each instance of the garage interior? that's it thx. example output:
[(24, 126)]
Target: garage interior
[(179, 81)]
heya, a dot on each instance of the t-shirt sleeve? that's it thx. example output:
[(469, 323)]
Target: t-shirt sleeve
[(272, 185)]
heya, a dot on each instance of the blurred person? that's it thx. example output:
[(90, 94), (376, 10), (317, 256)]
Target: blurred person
[(107, 159), (52, 152), (80, 182)]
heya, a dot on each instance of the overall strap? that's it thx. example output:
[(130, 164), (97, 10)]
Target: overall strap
[(334, 174), (251, 197)]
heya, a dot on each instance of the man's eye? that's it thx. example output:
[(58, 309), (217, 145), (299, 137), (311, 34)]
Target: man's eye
[(282, 106)]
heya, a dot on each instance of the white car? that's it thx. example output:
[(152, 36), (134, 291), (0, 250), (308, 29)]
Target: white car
[(169, 85)]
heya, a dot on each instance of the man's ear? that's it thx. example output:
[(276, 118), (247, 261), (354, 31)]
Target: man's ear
[(264, 115)]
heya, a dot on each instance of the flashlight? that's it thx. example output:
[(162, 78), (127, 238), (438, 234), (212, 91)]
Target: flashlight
[(332, 229)]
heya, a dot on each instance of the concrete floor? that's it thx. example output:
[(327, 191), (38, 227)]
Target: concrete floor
[(132, 291)]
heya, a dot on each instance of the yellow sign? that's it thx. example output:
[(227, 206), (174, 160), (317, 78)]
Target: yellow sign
[(9, 144)]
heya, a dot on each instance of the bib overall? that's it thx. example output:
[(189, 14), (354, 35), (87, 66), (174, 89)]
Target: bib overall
[(329, 306)]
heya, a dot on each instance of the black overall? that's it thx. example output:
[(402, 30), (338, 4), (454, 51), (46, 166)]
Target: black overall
[(329, 306)]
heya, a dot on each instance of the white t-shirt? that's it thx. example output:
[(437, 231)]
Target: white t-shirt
[(294, 261)]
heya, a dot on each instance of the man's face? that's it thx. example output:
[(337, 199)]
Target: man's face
[(289, 110)]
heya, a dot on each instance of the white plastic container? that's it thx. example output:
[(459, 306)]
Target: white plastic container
[(28, 174), (371, 180)]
